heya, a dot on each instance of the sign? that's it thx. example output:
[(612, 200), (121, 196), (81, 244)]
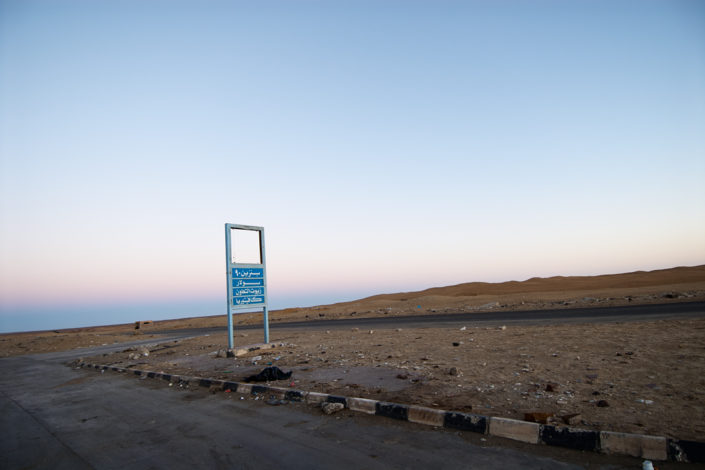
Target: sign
[(246, 273), (248, 287)]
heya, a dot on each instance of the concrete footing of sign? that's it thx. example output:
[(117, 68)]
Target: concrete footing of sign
[(241, 351)]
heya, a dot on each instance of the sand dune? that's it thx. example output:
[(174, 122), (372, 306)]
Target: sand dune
[(680, 275)]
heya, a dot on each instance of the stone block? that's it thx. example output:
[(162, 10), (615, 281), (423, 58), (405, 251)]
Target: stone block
[(336, 399), (363, 405), (294, 395), (392, 410), (429, 416), (316, 397), (686, 451), (244, 388), (514, 429), (465, 422), (277, 392), (232, 386), (571, 438), (636, 445), (332, 408)]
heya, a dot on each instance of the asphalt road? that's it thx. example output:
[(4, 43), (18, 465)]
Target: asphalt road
[(528, 317)]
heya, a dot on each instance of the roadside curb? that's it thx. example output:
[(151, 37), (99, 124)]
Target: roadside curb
[(606, 442)]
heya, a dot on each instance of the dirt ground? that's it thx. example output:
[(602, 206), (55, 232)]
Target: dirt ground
[(15, 344), (641, 377)]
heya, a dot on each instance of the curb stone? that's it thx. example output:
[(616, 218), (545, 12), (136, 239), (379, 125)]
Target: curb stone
[(363, 405), (686, 451), (314, 398), (423, 415), (336, 399), (523, 431), (572, 438), (634, 445), (392, 410), (466, 422), (647, 447)]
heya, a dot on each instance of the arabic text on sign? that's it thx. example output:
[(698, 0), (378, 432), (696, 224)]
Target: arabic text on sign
[(248, 300), (247, 273), (240, 291), (248, 282)]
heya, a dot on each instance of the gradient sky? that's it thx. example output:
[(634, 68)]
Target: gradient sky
[(384, 146)]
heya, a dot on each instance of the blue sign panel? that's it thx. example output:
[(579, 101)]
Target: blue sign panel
[(248, 286)]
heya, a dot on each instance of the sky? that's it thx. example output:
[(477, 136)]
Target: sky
[(384, 146)]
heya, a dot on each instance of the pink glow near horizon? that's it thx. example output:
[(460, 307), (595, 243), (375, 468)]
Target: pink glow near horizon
[(316, 279)]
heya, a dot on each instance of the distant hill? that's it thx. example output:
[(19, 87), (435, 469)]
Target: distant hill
[(679, 275)]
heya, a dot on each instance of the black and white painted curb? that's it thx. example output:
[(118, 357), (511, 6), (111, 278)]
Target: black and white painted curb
[(635, 445)]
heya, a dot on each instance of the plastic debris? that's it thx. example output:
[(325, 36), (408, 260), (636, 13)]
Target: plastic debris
[(269, 373)]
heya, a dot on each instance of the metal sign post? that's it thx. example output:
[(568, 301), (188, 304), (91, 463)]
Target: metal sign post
[(246, 281)]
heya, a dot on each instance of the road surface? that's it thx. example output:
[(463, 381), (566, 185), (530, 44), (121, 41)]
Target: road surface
[(484, 319)]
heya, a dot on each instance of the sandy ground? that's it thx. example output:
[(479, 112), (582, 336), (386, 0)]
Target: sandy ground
[(15, 344), (645, 377)]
